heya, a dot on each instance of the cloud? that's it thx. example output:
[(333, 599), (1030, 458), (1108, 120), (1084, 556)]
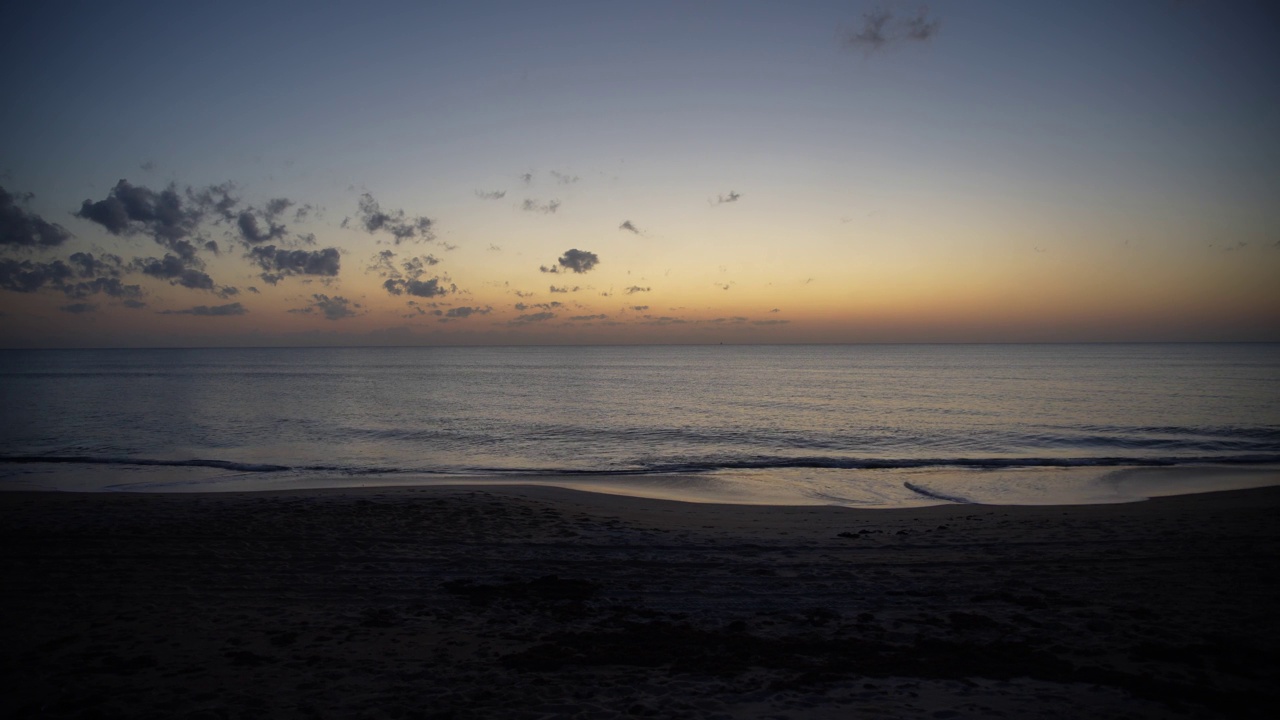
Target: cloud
[(418, 288), (639, 308), (78, 308), (732, 197), (879, 28), (276, 263), (770, 322), (466, 311), (253, 234), (526, 178), (588, 318), (564, 178), (168, 216), (80, 276), (533, 206), (545, 306), (20, 228), (626, 225), (399, 225), (333, 308), (565, 289), (578, 261), (210, 311), (491, 194), (531, 318), (635, 289), (921, 27)]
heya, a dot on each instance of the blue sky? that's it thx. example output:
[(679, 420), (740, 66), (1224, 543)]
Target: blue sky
[(961, 171)]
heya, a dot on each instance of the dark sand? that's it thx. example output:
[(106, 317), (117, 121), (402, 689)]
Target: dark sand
[(545, 603)]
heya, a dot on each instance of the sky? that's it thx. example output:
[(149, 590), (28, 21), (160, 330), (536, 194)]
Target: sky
[(409, 173)]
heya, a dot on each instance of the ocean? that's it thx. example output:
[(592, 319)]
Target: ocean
[(858, 425)]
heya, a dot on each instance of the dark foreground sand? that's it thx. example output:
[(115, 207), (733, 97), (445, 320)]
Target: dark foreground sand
[(542, 603)]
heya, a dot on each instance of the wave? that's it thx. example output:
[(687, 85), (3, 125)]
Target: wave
[(197, 462), (935, 495), (693, 466)]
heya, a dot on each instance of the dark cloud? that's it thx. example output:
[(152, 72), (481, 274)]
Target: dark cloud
[(20, 228), (588, 318), (626, 225), (564, 178), (732, 197), (434, 287), (737, 320), (465, 311), (399, 225), (334, 308), (770, 322), (545, 306), (210, 310), (168, 216), (533, 206), (491, 194), (664, 320), (526, 178), (635, 289), (255, 234), (25, 276), (134, 304), (578, 261), (80, 276), (523, 293), (276, 263), (531, 318), (639, 308), (565, 289), (879, 28), (78, 308), (176, 270)]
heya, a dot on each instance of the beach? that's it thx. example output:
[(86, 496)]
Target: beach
[(539, 602)]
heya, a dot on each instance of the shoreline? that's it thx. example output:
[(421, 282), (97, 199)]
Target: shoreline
[(809, 487), (534, 601)]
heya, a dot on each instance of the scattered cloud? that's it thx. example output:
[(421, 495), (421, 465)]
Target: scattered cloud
[(397, 223), (467, 311), (24, 229), (626, 225), (229, 309), (526, 178), (770, 322), (333, 308), (277, 263), (78, 308), (588, 318), (491, 194), (531, 318), (732, 197), (534, 206), (564, 178), (435, 287), (578, 261), (639, 308), (880, 28), (168, 216), (635, 289), (545, 306), (565, 289)]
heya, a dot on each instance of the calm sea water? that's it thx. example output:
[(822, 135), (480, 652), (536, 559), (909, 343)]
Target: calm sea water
[(858, 424)]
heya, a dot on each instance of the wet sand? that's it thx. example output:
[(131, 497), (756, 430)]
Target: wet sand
[(537, 602)]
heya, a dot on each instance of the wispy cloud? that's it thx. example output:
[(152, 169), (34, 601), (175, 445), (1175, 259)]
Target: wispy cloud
[(880, 28), (333, 308), (491, 194), (732, 197), (544, 208), (628, 226), (229, 309)]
